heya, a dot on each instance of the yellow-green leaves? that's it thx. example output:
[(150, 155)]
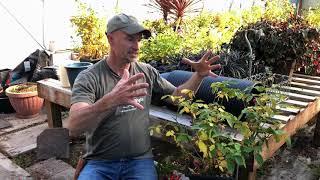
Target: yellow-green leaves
[(244, 129), (90, 28), (203, 148), (155, 130), (203, 136), (210, 132), (188, 92), (170, 133)]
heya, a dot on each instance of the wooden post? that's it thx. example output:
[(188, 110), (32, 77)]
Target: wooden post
[(293, 65), (56, 97), (53, 114), (316, 136)]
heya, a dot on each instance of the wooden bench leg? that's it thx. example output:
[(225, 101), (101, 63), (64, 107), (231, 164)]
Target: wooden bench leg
[(316, 136), (53, 114)]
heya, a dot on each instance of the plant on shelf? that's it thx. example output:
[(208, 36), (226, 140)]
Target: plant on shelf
[(276, 44), (175, 9), (205, 145), (24, 99), (278, 10), (91, 30), (312, 16)]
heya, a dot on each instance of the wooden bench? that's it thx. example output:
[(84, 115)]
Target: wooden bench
[(303, 92)]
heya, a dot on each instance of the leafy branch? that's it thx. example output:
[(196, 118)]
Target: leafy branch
[(207, 142)]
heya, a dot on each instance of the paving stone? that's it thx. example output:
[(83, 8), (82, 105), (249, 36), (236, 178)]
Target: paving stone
[(4, 124), (18, 123), (53, 142), (64, 175), (9, 170), (51, 169), (22, 141)]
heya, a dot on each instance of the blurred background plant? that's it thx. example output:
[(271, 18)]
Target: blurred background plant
[(276, 34), (91, 31), (175, 10), (312, 16)]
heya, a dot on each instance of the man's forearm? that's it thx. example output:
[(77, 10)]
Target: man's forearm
[(192, 84), (85, 118)]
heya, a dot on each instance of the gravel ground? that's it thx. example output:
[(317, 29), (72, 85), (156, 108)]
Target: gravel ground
[(301, 161)]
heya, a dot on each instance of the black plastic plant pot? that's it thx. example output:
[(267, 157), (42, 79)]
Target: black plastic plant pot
[(93, 61), (74, 69), (5, 105), (204, 92)]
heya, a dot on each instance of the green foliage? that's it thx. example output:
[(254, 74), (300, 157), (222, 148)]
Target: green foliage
[(192, 37), (252, 15), (227, 24), (161, 47), (203, 20), (278, 10), (277, 44), (207, 141), (197, 37), (198, 33), (156, 26), (312, 16), (277, 38), (91, 29)]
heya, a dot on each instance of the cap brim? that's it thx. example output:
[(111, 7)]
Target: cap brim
[(137, 28)]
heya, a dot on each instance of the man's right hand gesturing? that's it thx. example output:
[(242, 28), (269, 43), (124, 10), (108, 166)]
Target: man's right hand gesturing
[(128, 89)]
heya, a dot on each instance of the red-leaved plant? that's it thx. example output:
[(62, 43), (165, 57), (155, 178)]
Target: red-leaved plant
[(176, 9)]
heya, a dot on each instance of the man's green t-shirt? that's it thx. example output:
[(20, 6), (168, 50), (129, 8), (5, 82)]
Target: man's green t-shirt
[(123, 133)]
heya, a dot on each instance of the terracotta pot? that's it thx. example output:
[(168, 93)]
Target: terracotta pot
[(26, 104)]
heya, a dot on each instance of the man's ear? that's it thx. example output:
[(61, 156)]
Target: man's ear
[(110, 39)]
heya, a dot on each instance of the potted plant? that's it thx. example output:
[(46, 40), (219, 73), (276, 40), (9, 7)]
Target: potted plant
[(24, 99), (91, 31), (279, 45), (205, 148)]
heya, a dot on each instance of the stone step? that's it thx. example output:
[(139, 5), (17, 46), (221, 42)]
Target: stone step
[(9, 170), (22, 141), (51, 169), (20, 123)]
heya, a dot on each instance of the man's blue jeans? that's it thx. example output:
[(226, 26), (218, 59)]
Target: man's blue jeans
[(138, 169)]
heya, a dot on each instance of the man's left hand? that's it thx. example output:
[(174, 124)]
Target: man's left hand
[(205, 65)]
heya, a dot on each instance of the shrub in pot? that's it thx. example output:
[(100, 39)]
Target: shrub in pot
[(279, 45), (91, 30), (25, 100), (205, 147)]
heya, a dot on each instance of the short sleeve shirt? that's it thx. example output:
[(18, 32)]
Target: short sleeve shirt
[(123, 133)]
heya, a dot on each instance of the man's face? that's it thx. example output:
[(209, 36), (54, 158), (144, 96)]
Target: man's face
[(125, 46)]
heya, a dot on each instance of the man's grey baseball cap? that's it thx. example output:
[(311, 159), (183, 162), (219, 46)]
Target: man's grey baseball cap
[(127, 24)]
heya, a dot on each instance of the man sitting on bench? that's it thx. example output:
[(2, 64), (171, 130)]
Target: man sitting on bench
[(111, 101)]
